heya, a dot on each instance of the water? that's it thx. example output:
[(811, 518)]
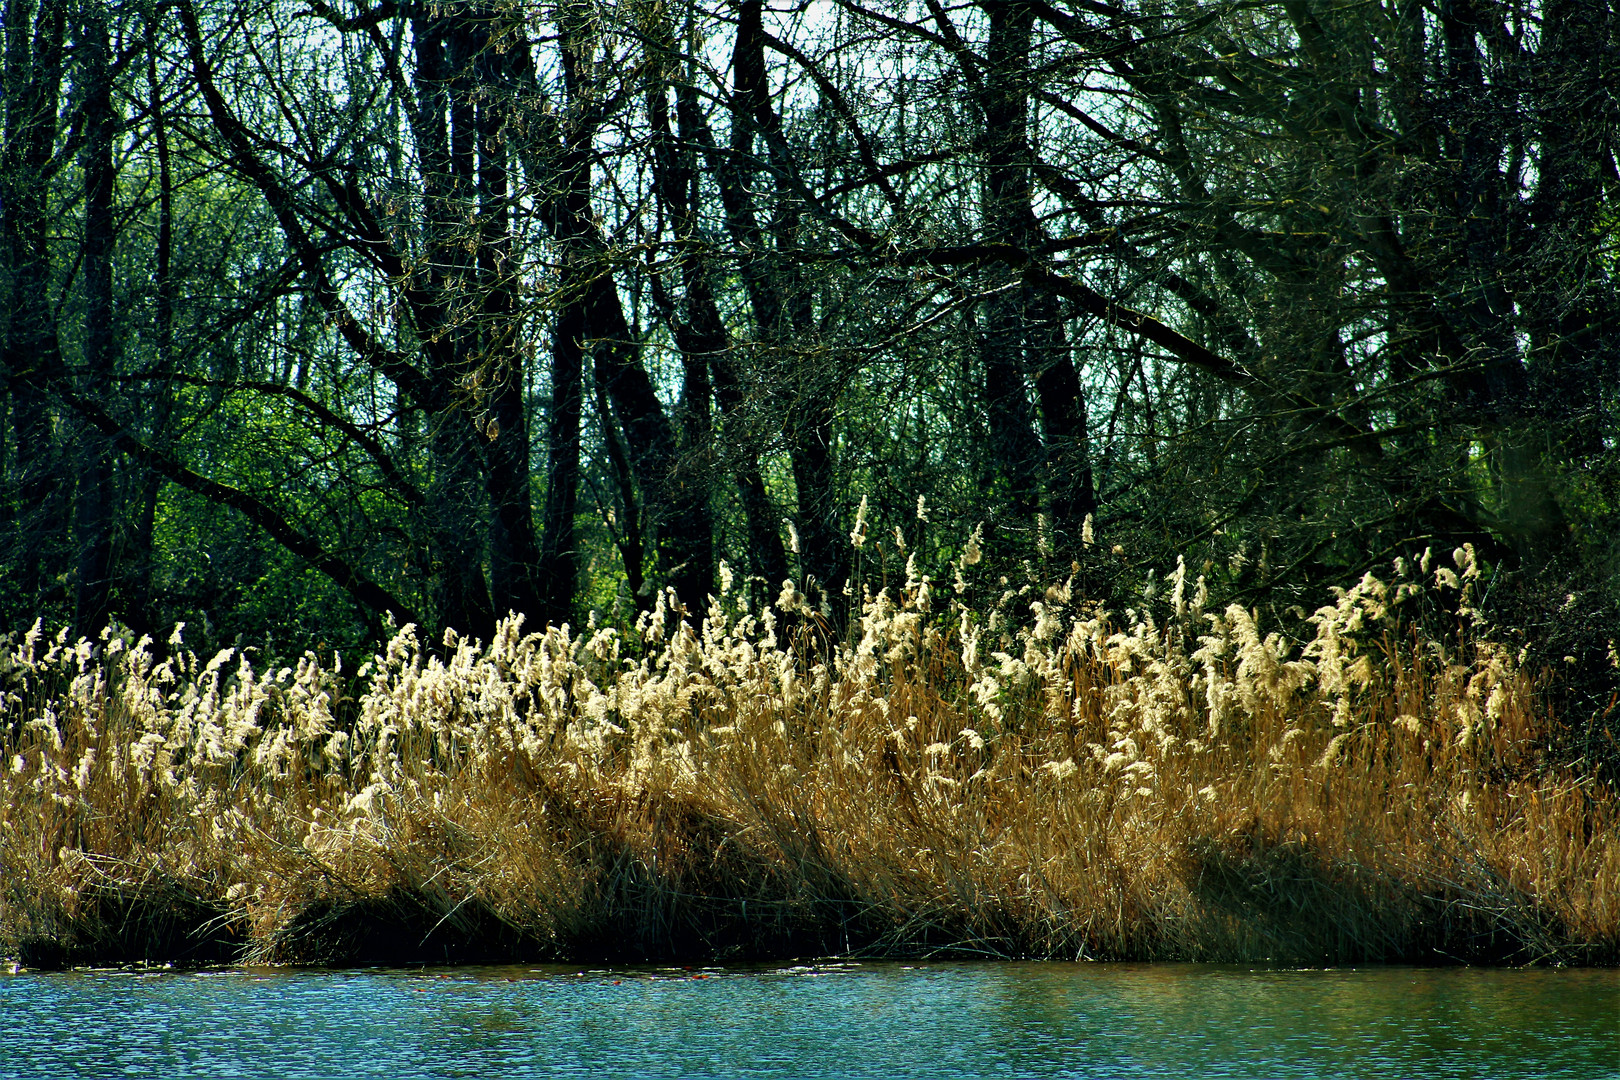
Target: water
[(853, 1020)]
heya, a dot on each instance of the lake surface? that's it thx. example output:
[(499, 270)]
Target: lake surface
[(855, 1020)]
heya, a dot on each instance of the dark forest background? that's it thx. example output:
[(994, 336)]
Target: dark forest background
[(319, 312)]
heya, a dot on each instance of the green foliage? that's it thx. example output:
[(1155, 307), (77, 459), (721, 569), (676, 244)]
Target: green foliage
[(555, 307)]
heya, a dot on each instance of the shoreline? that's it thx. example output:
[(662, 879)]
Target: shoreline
[(402, 930)]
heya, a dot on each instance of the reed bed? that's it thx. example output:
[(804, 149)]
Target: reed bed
[(1040, 778)]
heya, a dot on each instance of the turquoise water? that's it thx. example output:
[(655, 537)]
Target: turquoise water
[(855, 1020)]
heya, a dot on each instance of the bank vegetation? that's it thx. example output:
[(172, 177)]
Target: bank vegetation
[(1030, 776)]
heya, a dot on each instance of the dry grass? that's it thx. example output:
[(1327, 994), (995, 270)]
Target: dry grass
[(1040, 779)]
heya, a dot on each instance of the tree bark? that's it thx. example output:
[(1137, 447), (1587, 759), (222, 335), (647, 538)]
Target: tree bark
[(28, 334), (514, 545), (705, 334), (445, 129), (94, 498), (783, 310), (675, 504), (1023, 335), (140, 557)]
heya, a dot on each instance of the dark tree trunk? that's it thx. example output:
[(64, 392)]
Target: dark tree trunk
[(29, 349), (1006, 221), (1570, 314), (1069, 484), (694, 321), (764, 530), (1023, 335), (1494, 389), (455, 497), (704, 333), (94, 498), (783, 311), (627, 532), (676, 504), (1012, 431), (559, 557), (514, 546), (142, 608)]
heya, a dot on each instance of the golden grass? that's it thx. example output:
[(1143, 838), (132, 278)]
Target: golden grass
[(1041, 779)]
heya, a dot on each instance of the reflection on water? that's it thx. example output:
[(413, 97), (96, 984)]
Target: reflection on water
[(889, 1020)]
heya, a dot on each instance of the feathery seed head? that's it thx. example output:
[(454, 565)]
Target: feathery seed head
[(971, 552)]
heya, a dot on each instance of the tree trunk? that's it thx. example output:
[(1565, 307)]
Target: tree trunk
[(28, 336), (783, 312), (94, 500), (1069, 484), (514, 546), (142, 607), (704, 332), (1023, 333), (455, 495)]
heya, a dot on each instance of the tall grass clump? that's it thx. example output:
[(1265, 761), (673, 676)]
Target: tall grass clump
[(1038, 777)]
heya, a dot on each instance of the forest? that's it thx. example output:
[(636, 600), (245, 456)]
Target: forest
[(356, 329)]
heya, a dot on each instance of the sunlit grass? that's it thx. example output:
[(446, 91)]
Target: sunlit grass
[(1043, 778)]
